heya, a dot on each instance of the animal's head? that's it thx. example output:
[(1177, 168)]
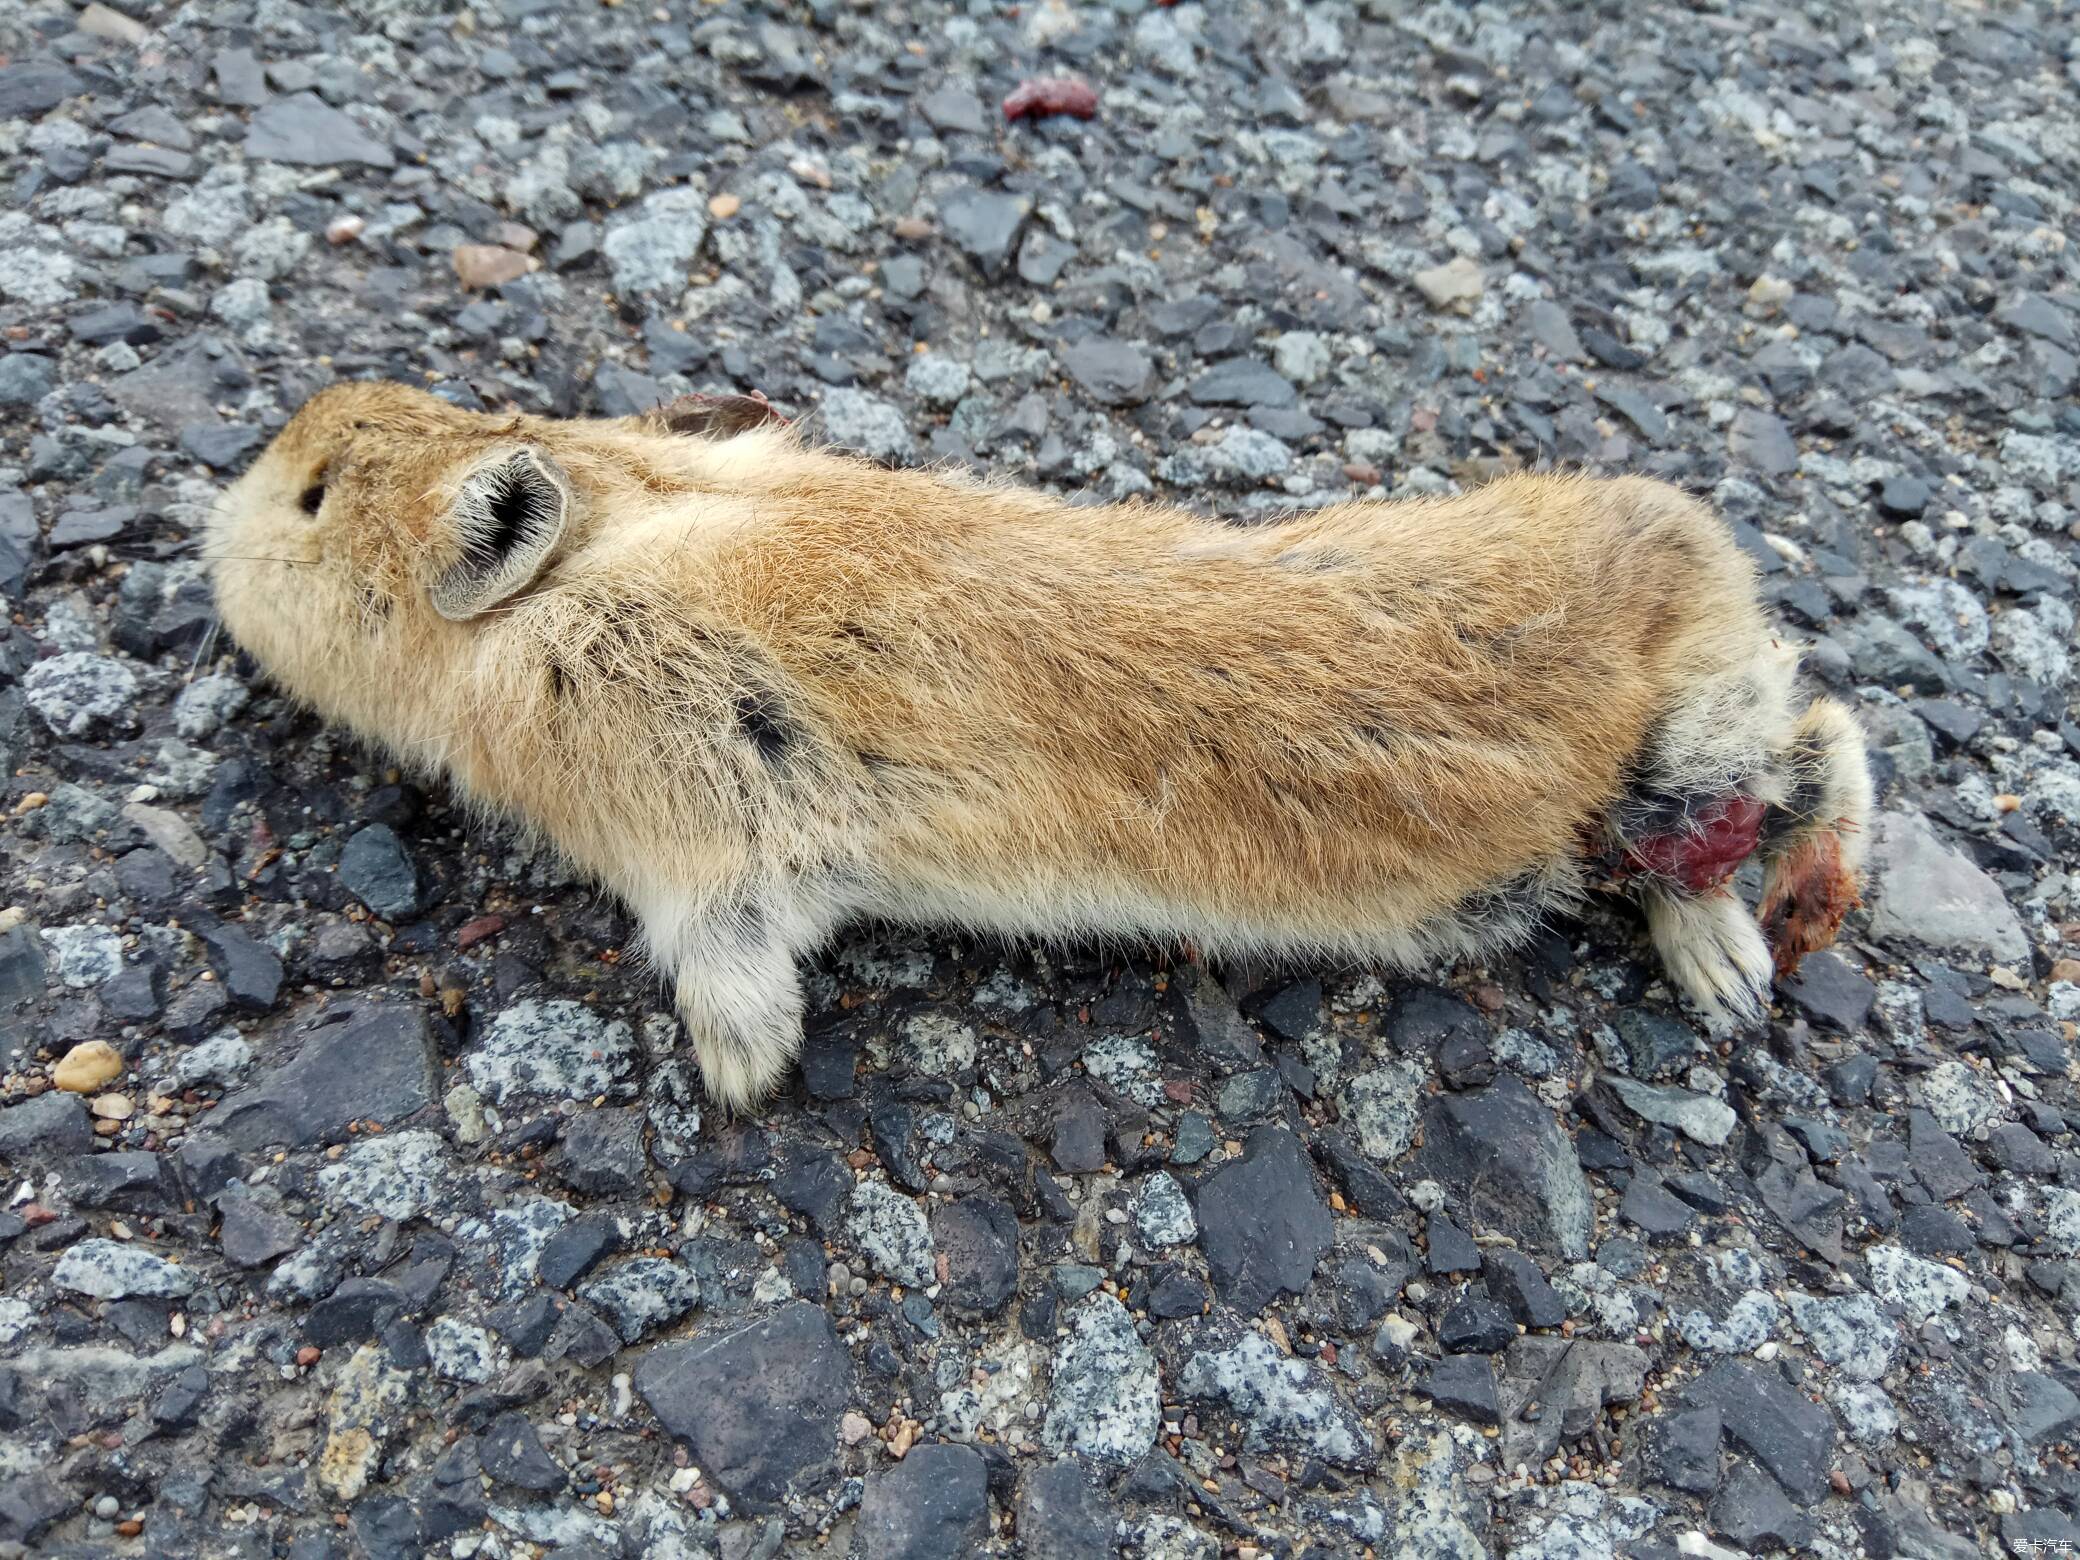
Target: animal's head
[(385, 529)]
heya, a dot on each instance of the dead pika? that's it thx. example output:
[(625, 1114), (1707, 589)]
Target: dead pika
[(758, 690)]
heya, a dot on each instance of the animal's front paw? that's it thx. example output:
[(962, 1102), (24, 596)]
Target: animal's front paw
[(1715, 953), (744, 1017)]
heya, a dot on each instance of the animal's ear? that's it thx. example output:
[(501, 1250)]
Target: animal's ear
[(505, 521), (713, 416)]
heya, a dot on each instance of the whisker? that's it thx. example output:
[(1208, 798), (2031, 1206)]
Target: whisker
[(294, 563), (208, 645)]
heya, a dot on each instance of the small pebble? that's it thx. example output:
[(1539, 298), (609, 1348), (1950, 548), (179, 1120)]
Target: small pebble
[(87, 1066)]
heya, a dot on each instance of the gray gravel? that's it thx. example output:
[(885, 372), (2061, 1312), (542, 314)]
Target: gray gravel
[(360, 1197)]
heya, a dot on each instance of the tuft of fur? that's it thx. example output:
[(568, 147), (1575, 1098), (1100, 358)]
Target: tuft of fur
[(758, 689)]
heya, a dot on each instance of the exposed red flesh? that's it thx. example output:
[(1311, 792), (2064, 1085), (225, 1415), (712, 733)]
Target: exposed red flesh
[(1040, 96), (1707, 853)]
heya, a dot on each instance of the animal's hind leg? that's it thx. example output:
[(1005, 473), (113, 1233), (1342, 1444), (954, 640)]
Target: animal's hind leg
[(1813, 842), (1712, 949), (1708, 942)]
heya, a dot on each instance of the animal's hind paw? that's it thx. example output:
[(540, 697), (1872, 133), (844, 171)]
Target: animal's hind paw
[(1809, 892), (1715, 953)]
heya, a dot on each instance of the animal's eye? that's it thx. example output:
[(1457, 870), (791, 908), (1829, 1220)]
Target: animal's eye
[(313, 498)]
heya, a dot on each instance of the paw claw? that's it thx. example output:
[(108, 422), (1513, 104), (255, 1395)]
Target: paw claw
[(1715, 954)]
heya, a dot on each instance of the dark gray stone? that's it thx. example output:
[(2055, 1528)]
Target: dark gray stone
[(1637, 408), (156, 162), (197, 1011), (21, 966), (26, 378), (1939, 1164), (1830, 992), (2035, 315), (2017, 1149), (2041, 1408), (2039, 1532), (603, 1152), (1465, 1384), (248, 969), (354, 1312), (1042, 257), (512, 1454), (1262, 1222), (376, 1066), (1685, 1449), (178, 1404), (1447, 1248), (1760, 441), (1063, 1515), (1178, 1294), (954, 108), (31, 1502), (308, 131), (1508, 1166), (1849, 1081), (1365, 1291), (1476, 1324), (1215, 1026), (251, 1233), (221, 446), (577, 1248), (32, 88), (581, 1334), (1242, 382), (1516, 1281), (1658, 1212), (1752, 1512), (1789, 1434), (153, 123), (978, 1237), (378, 871), (933, 1505), (1954, 724), (1904, 497), (984, 225), (815, 1185), (85, 527), (1116, 373), (52, 1123), (1079, 1132), (240, 80), (757, 1404), (1934, 1231)]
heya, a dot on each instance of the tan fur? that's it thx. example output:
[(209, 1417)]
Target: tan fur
[(759, 689)]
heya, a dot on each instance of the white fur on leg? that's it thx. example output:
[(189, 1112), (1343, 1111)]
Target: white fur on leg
[(1713, 950), (742, 1009), (731, 957)]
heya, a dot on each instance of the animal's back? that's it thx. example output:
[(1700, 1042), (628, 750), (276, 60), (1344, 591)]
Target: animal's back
[(1357, 717)]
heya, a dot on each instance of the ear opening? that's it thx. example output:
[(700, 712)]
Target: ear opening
[(506, 521)]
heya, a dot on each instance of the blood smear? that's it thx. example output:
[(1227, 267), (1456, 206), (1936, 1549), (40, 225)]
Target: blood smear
[(1707, 853), (1044, 95)]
